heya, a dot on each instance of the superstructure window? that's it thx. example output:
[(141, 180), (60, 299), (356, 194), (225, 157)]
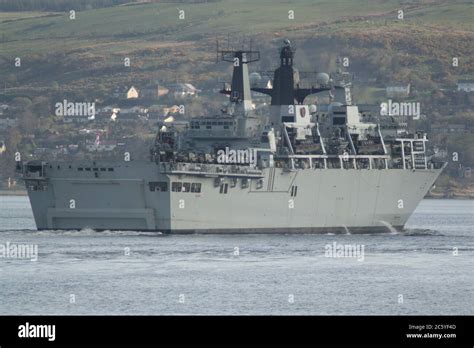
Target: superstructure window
[(339, 121), (186, 187), (196, 187), (158, 186), (224, 188), (176, 186), (294, 191)]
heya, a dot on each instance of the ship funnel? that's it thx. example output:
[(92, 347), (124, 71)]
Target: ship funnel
[(287, 94)]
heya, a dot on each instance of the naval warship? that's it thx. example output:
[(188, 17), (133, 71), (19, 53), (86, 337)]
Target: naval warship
[(291, 169)]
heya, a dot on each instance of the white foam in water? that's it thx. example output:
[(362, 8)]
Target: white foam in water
[(389, 226), (90, 232)]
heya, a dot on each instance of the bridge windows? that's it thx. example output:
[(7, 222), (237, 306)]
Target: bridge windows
[(211, 124), (36, 186), (81, 169), (194, 125)]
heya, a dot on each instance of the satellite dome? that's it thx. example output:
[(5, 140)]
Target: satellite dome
[(255, 78), (313, 108), (322, 78)]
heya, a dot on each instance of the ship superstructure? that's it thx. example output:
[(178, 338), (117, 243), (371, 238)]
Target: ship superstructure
[(291, 171)]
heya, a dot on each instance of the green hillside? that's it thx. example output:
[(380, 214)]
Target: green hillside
[(93, 45), (140, 23)]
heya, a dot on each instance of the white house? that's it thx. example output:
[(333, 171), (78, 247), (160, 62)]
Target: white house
[(183, 90), (132, 93), (397, 91), (126, 93), (153, 91), (466, 85)]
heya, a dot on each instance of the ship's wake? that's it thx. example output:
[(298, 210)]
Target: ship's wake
[(390, 228), (415, 232)]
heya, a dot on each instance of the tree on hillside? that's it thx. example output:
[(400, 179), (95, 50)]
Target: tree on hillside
[(21, 103)]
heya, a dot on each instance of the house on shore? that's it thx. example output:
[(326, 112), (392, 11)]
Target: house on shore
[(153, 91), (126, 93), (398, 91), (182, 90), (466, 86)]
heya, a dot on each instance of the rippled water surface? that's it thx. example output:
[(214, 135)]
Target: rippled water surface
[(88, 272)]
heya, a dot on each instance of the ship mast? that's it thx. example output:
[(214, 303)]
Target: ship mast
[(240, 98)]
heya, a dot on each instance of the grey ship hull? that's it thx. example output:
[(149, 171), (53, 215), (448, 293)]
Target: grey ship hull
[(118, 197)]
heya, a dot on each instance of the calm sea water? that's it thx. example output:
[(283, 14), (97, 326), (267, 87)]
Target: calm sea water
[(88, 272)]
